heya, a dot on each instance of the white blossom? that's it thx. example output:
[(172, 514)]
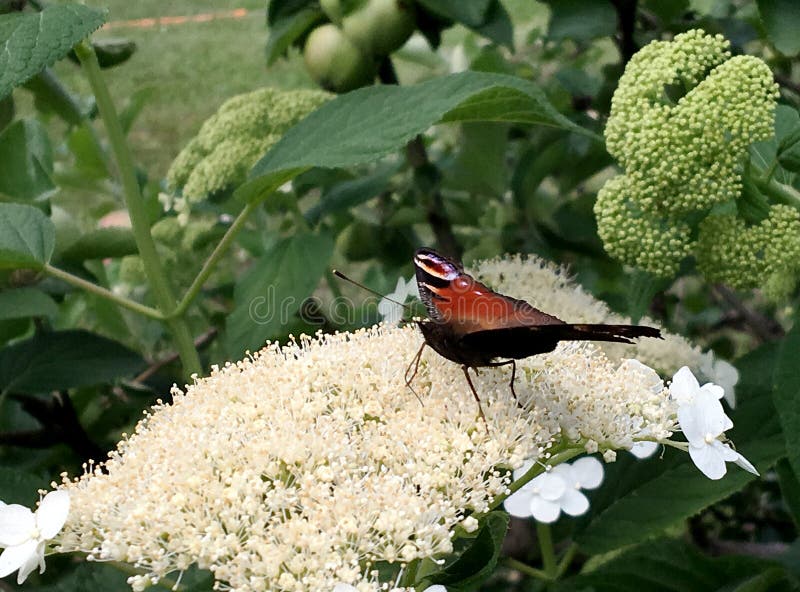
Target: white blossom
[(559, 490), (704, 422), (390, 306), (722, 373), (24, 534)]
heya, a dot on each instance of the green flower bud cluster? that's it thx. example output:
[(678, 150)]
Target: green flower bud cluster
[(766, 255), (681, 121), (231, 141)]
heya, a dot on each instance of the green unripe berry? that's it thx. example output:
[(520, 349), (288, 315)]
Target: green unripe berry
[(380, 26), (335, 62)]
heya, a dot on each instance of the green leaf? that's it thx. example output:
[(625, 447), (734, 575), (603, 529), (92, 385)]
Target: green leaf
[(638, 499), (470, 14), (22, 303), (65, 359), (480, 165), (27, 237), (89, 158), (134, 105), (372, 122), (674, 566), (102, 243), (578, 20), (786, 395), (781, 20), (289, 29), (348, 194), (269, 296), (31, 41), (20, 487), (790, 488), (476, 561), (113, 51), (7, 111), (26, 161), (50, 96)]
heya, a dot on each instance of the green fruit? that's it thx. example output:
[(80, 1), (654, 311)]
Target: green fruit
[(381, 26), (334, 62)]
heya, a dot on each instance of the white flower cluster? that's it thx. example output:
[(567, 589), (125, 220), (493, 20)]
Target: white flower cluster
[(302, 467)]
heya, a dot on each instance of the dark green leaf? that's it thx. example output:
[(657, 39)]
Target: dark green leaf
[(287, 30), (497, 25), (476, 562), (638, 499), (781, 20), (50, 96), (6, 111), (31, 41), (89, 158), (65, 359), (480, 165), (667, 10), (22, 303), (786, 395), (369, 123), (26, 161), (764, 153), (270, 295), (577, 20), (351, 193), (27, 237), (790, 488), (470, 14), (19, 487), (112, 51), (136, 102), (101, 243), (674, 566)]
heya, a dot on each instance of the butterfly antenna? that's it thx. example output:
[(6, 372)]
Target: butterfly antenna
[(340, 275)]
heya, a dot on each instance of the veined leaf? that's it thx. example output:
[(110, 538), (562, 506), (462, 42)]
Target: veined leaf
[(26, 161), (369, 123), (31, 41), (27, 237), (22, 303)]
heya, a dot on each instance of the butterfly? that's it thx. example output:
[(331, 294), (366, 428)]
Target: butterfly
[(471, 325)]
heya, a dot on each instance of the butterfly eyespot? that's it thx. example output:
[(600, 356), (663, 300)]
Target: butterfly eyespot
[(461, 283)]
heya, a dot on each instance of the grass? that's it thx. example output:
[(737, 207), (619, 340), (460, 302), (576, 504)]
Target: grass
[(191, 68)]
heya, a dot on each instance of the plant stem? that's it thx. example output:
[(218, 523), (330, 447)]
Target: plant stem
[(778, 191), (212, 260), (566, 559), (157, 278), (546, 547), (81, 283), (525, 568)]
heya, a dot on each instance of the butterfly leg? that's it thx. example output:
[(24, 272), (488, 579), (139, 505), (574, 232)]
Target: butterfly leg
[(513, 377), (415, 363), (474, 392)]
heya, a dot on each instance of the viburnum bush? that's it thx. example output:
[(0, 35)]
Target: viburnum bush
[(191, 399)]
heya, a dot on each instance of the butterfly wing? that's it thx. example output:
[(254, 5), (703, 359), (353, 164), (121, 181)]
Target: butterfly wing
[(456, 299)]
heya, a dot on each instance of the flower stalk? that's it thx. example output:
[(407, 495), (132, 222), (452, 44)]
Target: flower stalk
[(159, 283)]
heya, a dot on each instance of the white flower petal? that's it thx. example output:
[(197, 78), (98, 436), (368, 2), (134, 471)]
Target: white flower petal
[(745, 464), (52, 513), (713, 389), (644, 449), (36, 558), (519, 503), (588, 471), (709, 460), (684, 386), (713, 420), (16, 525), (18, 556), (574, 503), (549, 486), (526, 466), (727, 453), (544, 510), (649, 376), (344, 588), (690, 422), (435, 588)]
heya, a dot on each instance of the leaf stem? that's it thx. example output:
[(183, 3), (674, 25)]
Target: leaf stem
[(566, 559), (525, 568), (81, 283), (781, 193), (212, 260), (545, 537), (156, 276)]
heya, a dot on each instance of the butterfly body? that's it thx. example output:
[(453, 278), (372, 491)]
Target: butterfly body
[(475, 327)]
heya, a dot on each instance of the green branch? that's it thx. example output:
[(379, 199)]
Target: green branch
[(81, 283), (156, 276), (212, 260)]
